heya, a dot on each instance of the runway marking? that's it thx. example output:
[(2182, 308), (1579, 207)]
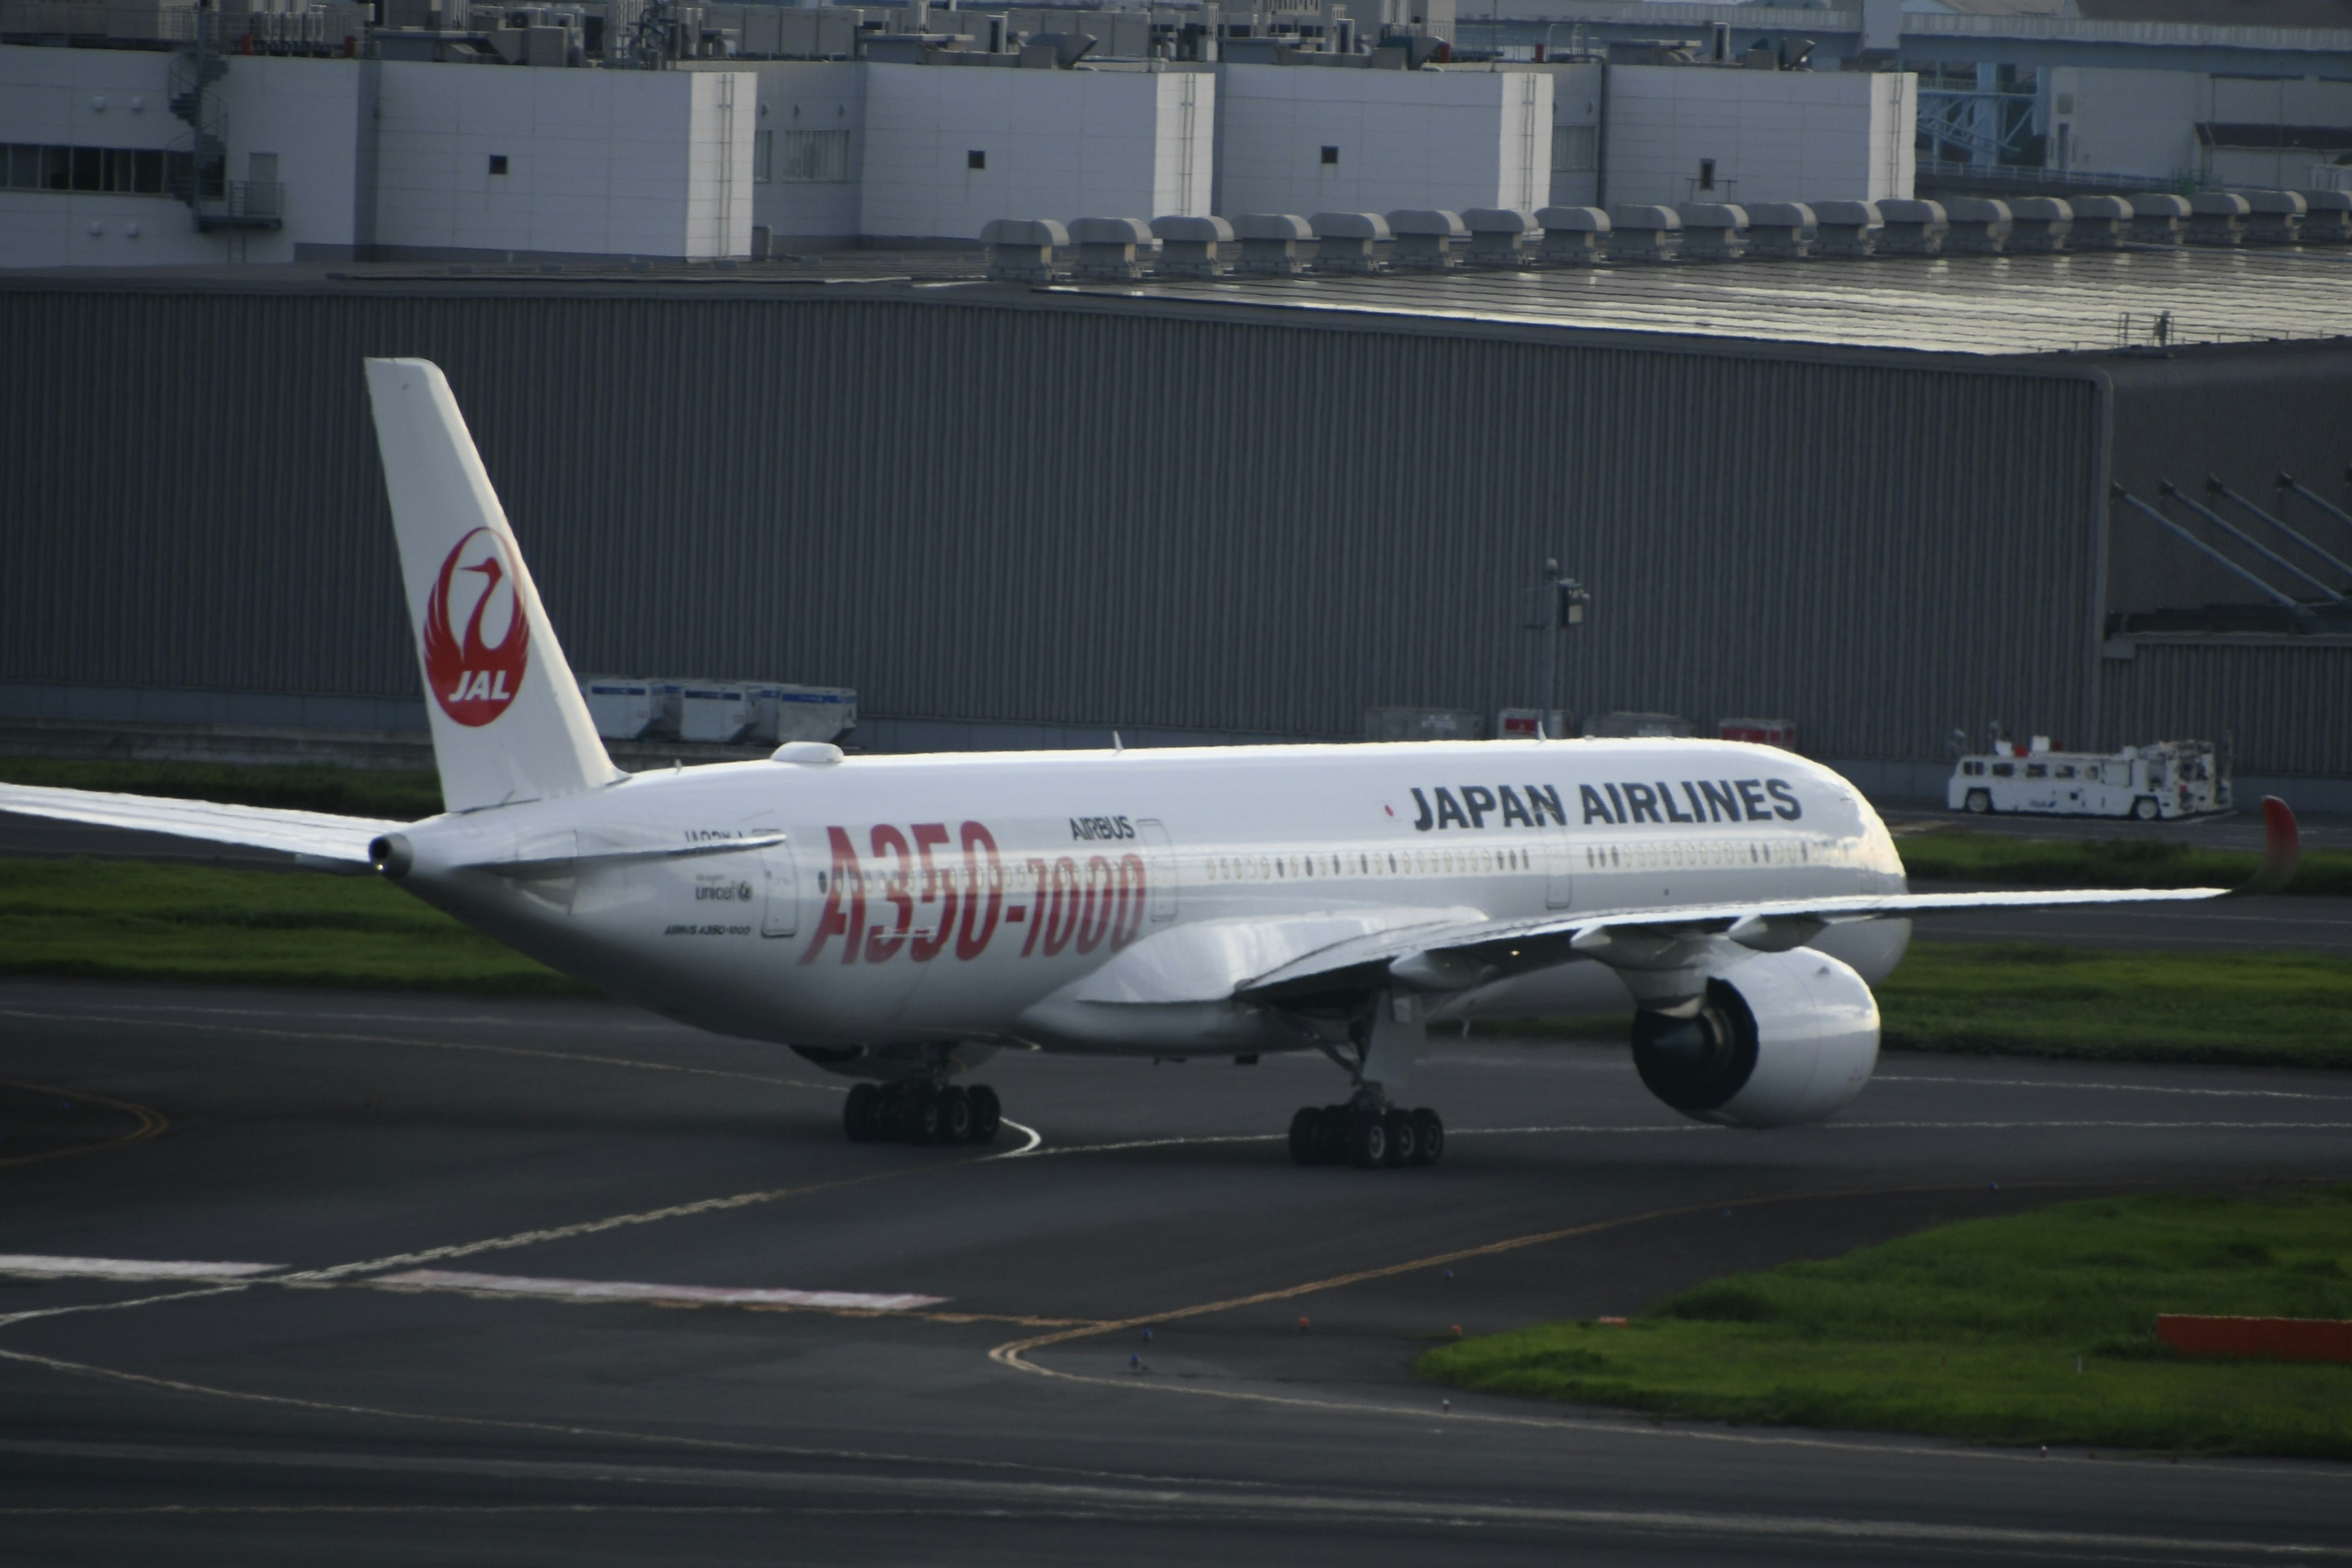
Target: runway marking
[(39, 1266), (649, 1216), (1098, 1495), (346, 1039), (149, 1124), (2125, 1087), (629, 1291)]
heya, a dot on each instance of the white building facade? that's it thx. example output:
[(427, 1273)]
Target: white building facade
[(950, 148), (1697, 133), (377, 158), (1305, 140)]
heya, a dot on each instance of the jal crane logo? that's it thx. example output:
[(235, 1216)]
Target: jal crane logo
[(473, 680)]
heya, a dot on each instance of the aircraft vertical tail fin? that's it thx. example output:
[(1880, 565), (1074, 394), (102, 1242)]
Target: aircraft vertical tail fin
[(509, 722)]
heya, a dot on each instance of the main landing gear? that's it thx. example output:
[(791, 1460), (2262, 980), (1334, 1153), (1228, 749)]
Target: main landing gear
[(915, 1111), (1366, 1135)]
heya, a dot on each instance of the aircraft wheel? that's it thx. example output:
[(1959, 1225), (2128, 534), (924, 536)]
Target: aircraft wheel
[(987, 1113), (1331, 1124), (1428, 1137), (861, 1118), (955, 1115), (921, 1124), (1306, 1136), (1402, 1148), (1367, 1142)]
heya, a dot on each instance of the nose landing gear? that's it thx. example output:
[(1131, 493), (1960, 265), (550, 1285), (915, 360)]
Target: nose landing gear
[(914, 1112), (1366, 1134)]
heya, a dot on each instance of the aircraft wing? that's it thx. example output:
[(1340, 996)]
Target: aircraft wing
[(340, 842), (1457, 956)]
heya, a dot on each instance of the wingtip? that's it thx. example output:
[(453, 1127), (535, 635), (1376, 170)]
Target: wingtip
[(2282, 848)]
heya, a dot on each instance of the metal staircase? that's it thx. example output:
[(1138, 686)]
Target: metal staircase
[(199, 167)]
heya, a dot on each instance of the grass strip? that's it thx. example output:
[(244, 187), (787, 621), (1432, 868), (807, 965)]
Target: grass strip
[(126, 920), (2037, 1328), (2021, 999), (402, 795), (1958, 855), (2275, 1009)]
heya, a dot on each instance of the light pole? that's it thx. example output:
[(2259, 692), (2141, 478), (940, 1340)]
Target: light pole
[(1553, 604)]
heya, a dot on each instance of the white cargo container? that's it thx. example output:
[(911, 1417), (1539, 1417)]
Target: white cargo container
[(2149, 784), (715, 713), (802, 713), (622, 706)]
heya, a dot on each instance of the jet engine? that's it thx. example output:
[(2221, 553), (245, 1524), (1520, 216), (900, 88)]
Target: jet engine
[(1778, 1039)]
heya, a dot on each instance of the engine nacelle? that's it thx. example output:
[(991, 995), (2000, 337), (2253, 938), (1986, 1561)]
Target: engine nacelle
[(1780, 1038)]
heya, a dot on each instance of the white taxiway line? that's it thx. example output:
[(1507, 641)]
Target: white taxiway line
[(43, 1268), (2118, 1087), (630, 1290)]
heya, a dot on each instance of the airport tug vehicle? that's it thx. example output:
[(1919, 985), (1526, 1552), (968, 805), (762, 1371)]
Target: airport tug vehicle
[(2147, 784), (898, 920)]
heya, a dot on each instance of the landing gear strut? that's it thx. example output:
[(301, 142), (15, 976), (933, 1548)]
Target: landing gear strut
[(912, 1111), (1367, 1134)]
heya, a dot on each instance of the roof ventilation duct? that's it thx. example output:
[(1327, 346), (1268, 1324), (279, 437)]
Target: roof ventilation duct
[(1644, 234), (1713, 231), (1107, 248), (1188, 246), (1913, 228), (1425, 238), (1846, 229), (2274, 217), (1349, 242), (2101, 223), (1573, 236), (2327, 218), (1499, 236), (2218, 217), (2158, 220), (1020, 249), (1270, 243), (1980, 226), (2040, 222), (1782, 230)]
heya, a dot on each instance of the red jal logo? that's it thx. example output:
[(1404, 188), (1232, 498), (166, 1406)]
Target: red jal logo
[(474, 681)]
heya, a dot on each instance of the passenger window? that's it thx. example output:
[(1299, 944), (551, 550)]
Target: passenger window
[(2037, 771), (2004, 770)]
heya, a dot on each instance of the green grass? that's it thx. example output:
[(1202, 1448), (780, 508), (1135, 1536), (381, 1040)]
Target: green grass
[(1959, 856), (2020, 999), (1974, 1330), (2282, 1009), (131, 920), (402, 795)]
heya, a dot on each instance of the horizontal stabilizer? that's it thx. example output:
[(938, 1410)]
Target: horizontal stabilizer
[(340, 840)]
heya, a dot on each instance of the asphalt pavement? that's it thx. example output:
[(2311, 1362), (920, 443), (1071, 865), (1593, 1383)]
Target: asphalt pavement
[(561, 1282)]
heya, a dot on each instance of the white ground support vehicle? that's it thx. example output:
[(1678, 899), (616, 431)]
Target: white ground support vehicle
[(2149, 784)]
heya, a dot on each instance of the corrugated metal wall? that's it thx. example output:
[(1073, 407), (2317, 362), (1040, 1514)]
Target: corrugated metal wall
[(2285, 705), (1078, 514)]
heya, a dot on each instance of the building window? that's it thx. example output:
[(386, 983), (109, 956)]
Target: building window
[(763, 157), (975, 159), (498, 163), (1331, 155), (817, 158), (1574, 150), (128, 171), (1706, 174)]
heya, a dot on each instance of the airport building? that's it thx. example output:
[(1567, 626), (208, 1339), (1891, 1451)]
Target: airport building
[(1882, 498)]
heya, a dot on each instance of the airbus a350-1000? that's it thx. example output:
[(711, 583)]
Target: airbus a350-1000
[(898, 919)]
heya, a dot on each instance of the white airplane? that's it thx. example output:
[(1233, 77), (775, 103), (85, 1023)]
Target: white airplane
[(898, 918)]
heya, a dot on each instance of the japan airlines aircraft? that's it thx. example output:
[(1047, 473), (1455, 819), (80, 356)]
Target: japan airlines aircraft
[(898, 918)]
